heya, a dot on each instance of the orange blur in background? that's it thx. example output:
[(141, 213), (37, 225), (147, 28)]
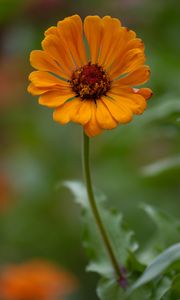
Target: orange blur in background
[(35, 280)]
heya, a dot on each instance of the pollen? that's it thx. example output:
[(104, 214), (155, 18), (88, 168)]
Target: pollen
[(90, 82)]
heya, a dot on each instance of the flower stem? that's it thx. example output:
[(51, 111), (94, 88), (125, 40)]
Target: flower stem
[(92, 202)]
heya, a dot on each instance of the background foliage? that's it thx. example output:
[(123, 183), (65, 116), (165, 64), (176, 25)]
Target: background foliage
[(137, 166)]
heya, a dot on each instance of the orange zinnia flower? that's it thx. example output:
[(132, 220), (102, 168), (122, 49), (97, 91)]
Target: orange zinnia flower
[(35, 280), (96, 92)]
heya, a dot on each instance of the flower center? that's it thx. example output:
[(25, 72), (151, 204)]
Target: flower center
[(90, 82)]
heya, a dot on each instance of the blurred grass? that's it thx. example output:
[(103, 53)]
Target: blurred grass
[(36, 154)]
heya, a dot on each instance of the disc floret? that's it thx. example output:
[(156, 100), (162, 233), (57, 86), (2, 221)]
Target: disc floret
[(90, 82)]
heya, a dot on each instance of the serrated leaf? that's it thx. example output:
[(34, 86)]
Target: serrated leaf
[(99, 260), (159, 265), (80, 195), (79, 192), (120, 236)]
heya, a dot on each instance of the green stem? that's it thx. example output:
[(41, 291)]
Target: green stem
[(92, 202)]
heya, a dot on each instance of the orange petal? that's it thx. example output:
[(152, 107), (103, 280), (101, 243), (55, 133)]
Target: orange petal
[(111, 34), (56, 48), (55, 98), (33, 90), (145, 92), (43, 62), (139, 76), (51, 30), (70, 30), (83, 115), (117, 43), (120, 112), (121, 42), (66, 112), (134, 59), (92, 128), (93, 30), (104, 118), (131, 60), (135, 43), (44, 79), (130, 34), (128, 98)]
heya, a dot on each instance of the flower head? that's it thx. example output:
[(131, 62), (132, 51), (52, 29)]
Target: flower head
[(97, 92), (35, 280)]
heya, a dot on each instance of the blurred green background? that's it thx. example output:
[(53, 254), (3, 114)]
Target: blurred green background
[(135, 163)]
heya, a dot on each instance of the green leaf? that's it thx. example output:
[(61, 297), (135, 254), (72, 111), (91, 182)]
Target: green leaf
[(162, 288), (166, 110), (79, 192), (158, 289), (161, 166), (134, 264), (167, 233), (121, 237), (159, 265), (108, 289), (80, 195), (166, 224), (175, 289)]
